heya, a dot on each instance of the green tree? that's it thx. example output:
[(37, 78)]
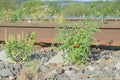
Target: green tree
[(31, 6), (7, 4)]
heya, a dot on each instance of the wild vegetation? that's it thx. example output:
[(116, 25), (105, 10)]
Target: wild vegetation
[(19, 47), (76, 39)]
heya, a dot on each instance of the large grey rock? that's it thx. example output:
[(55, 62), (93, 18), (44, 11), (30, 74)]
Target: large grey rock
[(11, 78), (118, 65), (58, 59), (1, 65), (11, 67), (5, 73), (4, 57), (4, 78), (0, 78)]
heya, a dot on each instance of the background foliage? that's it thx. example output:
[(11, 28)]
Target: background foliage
[(40, 9)]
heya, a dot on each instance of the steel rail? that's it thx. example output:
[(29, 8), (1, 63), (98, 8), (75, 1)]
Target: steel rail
[(46, 32)]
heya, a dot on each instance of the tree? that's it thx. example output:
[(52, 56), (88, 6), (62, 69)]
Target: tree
[(7, 4)]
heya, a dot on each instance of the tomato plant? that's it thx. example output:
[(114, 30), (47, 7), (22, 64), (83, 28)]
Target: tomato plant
[(76, 39)]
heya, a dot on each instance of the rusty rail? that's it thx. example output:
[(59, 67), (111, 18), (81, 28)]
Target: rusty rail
[(46, 32)]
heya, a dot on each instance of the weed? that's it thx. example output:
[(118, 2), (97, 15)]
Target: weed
[(20, 47)]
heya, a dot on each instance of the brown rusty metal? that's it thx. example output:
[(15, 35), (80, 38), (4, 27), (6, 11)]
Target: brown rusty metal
[(46, 32)]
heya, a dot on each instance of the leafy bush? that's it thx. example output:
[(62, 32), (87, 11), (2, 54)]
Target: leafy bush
[(76, 38), (20, 47)]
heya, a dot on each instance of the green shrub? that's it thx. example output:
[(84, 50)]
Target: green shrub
[(19, 48), (6, 15), (76, 39), (15, 17)]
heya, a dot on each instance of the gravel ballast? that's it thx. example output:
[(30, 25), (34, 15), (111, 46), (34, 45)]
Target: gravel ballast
[(103, 65)]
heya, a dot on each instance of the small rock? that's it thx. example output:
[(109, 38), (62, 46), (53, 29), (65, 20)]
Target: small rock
[(90, 68), (5, 73), (17, 66), (42, 52), (49, 75), (112, 74), (117, 76), (45, 59), (70, 73), (61, 77), (104, 77), (42, 68), (88, 72), (83, 76), (6, 64), (105, 52), (118, 65), (50, 52), (98, 73), (97, 68), (65, 78), (77, 68), (52, 65), (33, 55), (106, 68), (39, 56), (11, 78), (59, 70), (40, 78)]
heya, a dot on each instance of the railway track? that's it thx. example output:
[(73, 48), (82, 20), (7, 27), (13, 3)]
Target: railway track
[(46, 32)]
